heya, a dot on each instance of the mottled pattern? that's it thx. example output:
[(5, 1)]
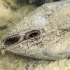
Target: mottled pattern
[(53, 41), (10, 61)]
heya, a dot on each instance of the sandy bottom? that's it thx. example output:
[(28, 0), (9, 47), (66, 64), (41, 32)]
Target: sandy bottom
[(10, 61)]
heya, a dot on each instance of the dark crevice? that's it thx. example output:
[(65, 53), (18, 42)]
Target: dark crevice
[(56, 0), (41, 2)]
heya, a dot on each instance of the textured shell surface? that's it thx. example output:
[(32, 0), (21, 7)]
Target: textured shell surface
[(43, 34)]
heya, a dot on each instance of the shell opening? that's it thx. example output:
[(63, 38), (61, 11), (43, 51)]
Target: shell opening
[(11, 40), (32, 34)]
